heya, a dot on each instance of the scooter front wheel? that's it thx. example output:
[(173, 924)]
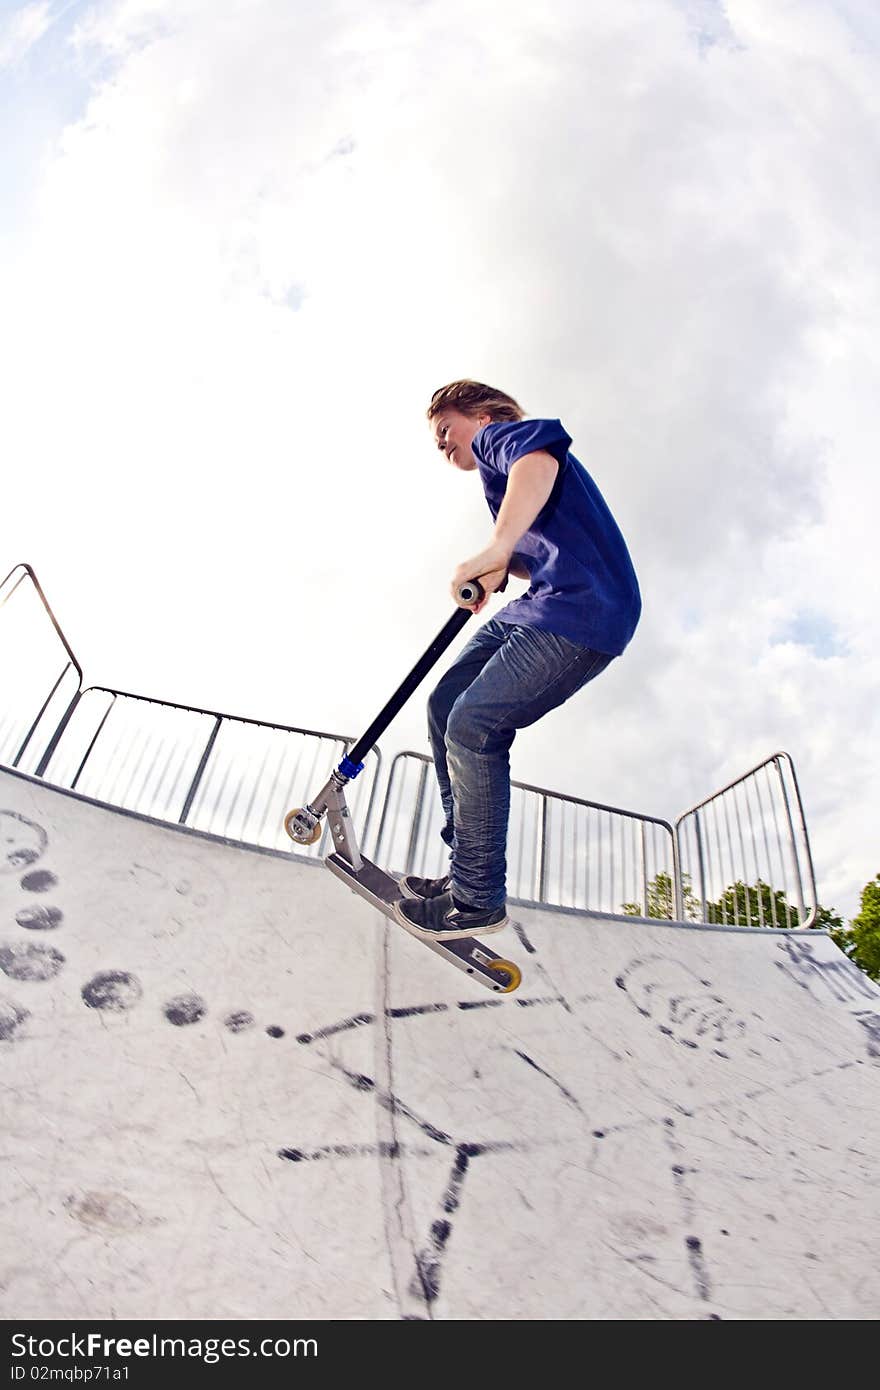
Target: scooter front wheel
[(296, 832)]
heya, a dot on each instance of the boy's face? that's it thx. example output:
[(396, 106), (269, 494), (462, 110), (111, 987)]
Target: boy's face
[(454, 434)]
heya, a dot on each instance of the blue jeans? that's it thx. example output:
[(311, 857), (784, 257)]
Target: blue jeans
[(506, 678)]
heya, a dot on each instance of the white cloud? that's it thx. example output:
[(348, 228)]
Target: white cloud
[(21, 29), (277, 228)]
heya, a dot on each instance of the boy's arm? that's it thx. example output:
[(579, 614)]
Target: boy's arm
[(529, 485)]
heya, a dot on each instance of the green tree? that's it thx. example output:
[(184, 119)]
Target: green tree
[(740, 905), (661, 900), (861, 940), (759, 905)]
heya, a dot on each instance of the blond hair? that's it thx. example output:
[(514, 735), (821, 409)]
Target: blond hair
[(474, 398)]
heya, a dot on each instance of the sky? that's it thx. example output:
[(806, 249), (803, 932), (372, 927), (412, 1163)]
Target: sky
[(242, 242)]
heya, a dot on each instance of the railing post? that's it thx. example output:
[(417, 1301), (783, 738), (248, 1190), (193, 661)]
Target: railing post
[(95, 737), (701, 864), (808, 853), (416, 820), (194, 786), (542, 850), (56, 737), (792, 844), (53, 743), (677, 884), (386, 805)]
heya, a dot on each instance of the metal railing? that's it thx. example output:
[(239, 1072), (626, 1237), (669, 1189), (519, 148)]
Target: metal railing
[(744, 852), (741, 858), (228, 776), (41, 677), (561, 851), (218, 773)]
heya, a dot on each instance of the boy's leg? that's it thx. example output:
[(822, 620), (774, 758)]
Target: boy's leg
[(462, 673), (529, 673)]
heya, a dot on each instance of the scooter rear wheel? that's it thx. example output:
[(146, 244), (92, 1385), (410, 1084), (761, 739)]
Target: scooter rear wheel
[(511, 970)]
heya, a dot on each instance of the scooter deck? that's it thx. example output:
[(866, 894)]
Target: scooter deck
[(468, 953)]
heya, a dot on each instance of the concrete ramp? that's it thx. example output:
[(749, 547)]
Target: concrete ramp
[(232, 1090)]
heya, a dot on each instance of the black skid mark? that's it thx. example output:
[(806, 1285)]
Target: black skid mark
[(185, 1009), (114, 991), (340, 1151), (698, 1265), (361, 1020), (239, 1022), (429, 1260), (39, 918), (391, 1103), (682, 1179), (871, 1023), (620, 981), (358, 1021), (416, 1011), (30, 961), (843, 980), (22, 842), (381, 1150), (12, 1017), (524, 940), (425, 1283), (463, 1156), (40, 881), (557, 997), (426, 1280), (394, 1150), (420, 1010), (541, 1002), (567, 1095)]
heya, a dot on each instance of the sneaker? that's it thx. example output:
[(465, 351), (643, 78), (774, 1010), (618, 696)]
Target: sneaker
[(425, 887), (438, 919)]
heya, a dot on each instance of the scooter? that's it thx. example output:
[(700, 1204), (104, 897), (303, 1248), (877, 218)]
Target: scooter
[(303, 824)]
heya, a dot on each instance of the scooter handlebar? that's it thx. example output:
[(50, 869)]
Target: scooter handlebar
[(471, 592)]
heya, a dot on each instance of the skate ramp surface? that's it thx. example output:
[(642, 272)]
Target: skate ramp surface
[(232, 1090)]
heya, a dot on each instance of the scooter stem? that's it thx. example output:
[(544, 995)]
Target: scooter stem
[(468, 593)]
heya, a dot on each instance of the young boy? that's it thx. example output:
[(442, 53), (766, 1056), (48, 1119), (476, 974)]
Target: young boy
[(553, 528)]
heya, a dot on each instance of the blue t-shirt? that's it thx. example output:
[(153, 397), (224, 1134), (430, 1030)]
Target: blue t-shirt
[(583, 584)]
